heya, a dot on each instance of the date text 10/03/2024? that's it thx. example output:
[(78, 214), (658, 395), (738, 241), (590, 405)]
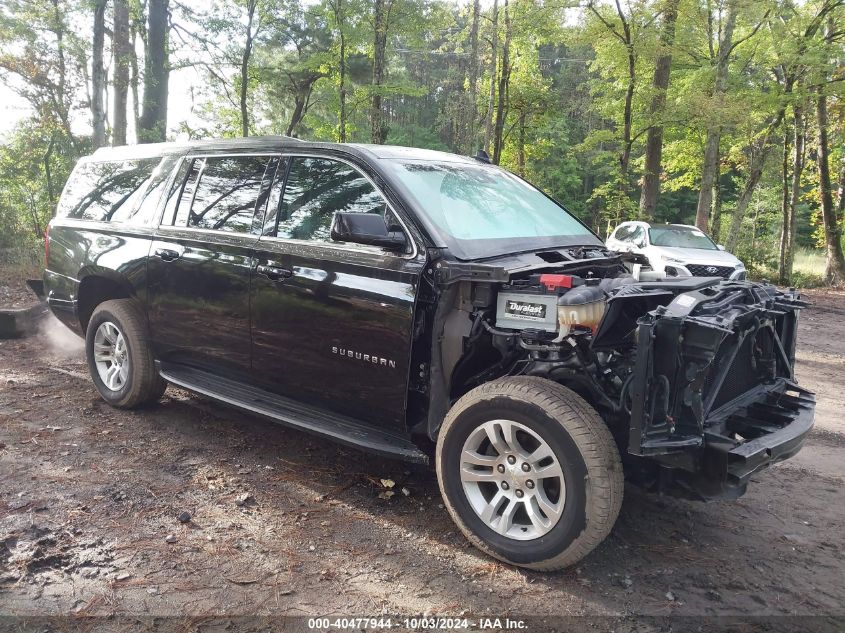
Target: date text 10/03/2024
[(422, 623)]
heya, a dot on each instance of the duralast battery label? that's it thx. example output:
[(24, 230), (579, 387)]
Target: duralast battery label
[(525, 310)]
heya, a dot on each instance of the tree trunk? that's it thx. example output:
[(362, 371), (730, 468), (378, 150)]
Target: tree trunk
[(98, 75), (835, 266), (714, 131), (654, 142), (520, 149), (504, 79), (791, 215), (301, 100), (840, 205), (799, 161), (247, 53), (474, 66), (491, 102), (378, 130), (716, 221), (61, 106), (153, 123), (339, 18), (296, 117), (784, 207), (48, 172), (134, 76), (759, 151), (122, 52), (627, 120), (754, 175)]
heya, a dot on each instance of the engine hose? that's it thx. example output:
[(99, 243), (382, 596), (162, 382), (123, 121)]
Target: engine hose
[(497, 331), (623, 393)]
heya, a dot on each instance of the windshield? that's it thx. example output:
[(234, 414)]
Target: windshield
[(483, 211), (680, 237)]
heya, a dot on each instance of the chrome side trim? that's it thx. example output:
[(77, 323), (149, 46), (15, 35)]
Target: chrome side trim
[(98, 225), (166, 228)]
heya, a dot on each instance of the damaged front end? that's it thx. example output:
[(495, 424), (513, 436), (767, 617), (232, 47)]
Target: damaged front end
[(693, 376), (713, 396)]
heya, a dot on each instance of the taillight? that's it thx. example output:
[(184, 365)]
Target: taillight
[(47, 247)]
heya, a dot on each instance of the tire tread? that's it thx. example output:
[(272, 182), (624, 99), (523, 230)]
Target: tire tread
[(591, 436)]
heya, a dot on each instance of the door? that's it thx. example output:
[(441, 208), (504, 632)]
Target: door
[(200, 262), (332, 322)]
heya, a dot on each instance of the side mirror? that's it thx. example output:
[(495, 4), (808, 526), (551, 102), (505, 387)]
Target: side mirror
[(640, 243), (367, 228), (720, 247)]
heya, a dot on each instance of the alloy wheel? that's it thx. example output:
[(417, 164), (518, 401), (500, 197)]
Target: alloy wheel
[(111, 356), (512, 479)]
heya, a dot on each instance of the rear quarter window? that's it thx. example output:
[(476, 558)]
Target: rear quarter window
[(220, 193), (107, 191)]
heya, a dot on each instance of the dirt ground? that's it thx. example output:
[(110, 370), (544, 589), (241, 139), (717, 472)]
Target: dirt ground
[(283, 524)]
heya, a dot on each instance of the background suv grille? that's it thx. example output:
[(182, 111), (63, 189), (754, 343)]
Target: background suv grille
[(703, 270)]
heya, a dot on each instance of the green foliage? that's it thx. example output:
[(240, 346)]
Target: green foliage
[(35, 161), (563, 101)]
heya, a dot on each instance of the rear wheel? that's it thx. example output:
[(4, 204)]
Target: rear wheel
[(119, 355), (529, 472)]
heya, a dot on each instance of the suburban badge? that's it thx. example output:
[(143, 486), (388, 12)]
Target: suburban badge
[(366, 358)]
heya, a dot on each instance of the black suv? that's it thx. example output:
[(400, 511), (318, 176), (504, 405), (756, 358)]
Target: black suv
[(425, 306)]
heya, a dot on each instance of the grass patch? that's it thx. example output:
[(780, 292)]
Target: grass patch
[(807, 269), (21, 263)]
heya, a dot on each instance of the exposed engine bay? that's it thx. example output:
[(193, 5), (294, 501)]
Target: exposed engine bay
[(694, 376)]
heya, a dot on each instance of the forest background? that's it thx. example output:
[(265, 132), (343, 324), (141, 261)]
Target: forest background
[(727, 114)]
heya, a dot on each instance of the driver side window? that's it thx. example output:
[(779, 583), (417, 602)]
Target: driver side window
[(638, 237), (623, 233), (316, 188)]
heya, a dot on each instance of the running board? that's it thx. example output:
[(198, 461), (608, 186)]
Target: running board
[(338, 428)]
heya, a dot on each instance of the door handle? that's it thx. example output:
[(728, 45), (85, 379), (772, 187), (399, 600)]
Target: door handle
[(167, 254), (273, 273)]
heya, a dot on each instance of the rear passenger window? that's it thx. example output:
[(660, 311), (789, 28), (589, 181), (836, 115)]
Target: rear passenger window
[(318, 187), (107, 191), (222, 193)]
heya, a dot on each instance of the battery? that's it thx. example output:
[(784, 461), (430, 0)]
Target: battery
[(521, 310)]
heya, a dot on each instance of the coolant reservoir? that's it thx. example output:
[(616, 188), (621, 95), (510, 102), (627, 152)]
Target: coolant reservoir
[(582, 306)]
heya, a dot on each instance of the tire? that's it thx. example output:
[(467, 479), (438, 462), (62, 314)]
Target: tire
[(560, 519), (137, 382)]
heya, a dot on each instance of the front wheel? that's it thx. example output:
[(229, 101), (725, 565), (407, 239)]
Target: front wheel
[(529, 472)]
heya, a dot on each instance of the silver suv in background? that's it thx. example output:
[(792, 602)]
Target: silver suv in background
[(678, 250)]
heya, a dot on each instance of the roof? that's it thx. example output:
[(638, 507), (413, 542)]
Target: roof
[(657, 224), (275, 143), (408, 153)]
